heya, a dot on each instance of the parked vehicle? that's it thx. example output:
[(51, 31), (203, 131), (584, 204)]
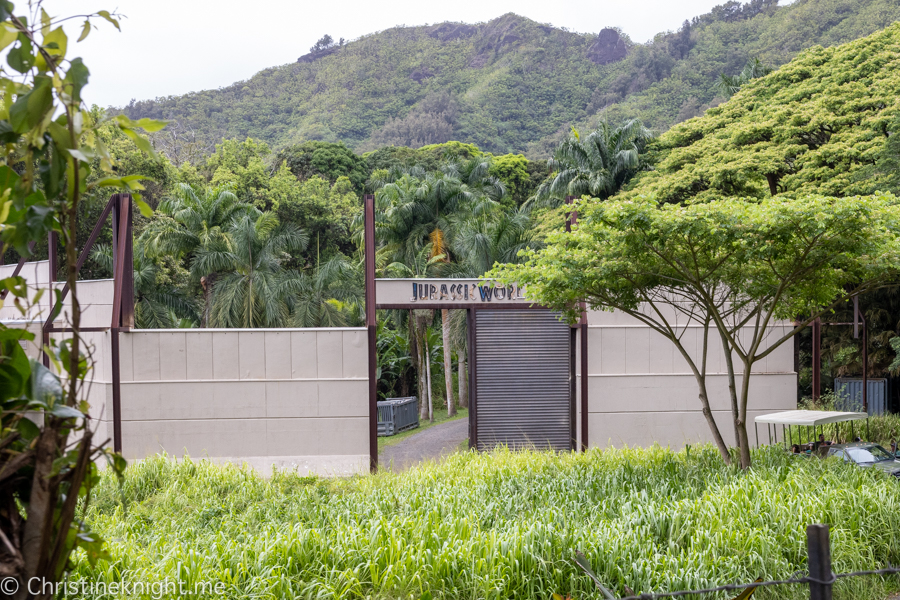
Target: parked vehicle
[(866, 454)]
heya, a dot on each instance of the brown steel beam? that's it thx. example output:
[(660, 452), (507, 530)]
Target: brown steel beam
[(116, 390), (472, 339), (128, 270), (120, 265), (865, 365), (573, 388), (370, 246), (52, 243), (584, 383)]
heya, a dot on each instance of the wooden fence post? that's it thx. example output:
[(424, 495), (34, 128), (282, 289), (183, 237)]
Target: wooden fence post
[(819, 556)]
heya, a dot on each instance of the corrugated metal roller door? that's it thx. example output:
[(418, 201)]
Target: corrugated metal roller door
[(523, 391)]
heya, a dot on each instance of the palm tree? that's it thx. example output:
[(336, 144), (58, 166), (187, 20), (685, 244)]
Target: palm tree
[(484, 242), (422, 210), (155, 306), (423, 265), (253, 288), (192, 221), (331, 296), (598, 165)]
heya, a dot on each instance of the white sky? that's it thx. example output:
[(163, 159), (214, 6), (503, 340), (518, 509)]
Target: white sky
[(172, 47)]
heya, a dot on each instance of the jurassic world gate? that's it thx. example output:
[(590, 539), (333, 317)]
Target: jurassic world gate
[(522, 358)]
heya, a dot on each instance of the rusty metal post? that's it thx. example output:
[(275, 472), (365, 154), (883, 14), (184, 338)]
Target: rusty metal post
[(816, 359), (52, 243), (370, 243), (120, 266), (819, 556), (128, 267), (473, 366), (116, 390), (572, 219)]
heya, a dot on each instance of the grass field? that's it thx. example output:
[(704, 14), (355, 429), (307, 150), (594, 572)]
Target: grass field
[(502, 525)]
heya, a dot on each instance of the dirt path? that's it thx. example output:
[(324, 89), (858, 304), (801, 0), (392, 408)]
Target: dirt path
[(433, 443)]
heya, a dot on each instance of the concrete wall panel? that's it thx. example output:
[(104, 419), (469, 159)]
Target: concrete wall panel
[(278, 355), (343, 398), (298, 399), (637, 350), (252, 354), (145, 356), (673, 429), (662, 353), (613, 349), (304, 355), (226, 360), (355, 346), (199, 346), (330, 354), (172, 357)]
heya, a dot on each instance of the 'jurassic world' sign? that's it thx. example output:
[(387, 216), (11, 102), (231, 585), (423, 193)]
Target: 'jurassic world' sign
[(394, 292)]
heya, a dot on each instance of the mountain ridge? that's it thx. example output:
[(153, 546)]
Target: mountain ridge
[(510, 84)]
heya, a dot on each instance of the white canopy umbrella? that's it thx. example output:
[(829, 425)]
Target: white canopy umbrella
[(805, 418)]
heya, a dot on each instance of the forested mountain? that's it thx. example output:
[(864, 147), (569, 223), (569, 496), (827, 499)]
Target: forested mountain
[(509, 85)]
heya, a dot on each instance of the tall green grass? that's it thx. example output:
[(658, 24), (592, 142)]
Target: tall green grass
[(501, 525)]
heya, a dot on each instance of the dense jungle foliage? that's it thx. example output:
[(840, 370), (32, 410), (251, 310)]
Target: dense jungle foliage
[(508, 85)]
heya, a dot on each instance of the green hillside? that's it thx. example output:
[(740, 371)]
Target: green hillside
[(824, 124), (510, 85)]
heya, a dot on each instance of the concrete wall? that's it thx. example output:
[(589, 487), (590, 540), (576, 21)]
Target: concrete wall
[(641, 390), (96, 298), (291, 398)]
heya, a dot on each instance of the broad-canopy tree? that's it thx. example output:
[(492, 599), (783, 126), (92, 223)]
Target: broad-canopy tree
[(751, 273), (819, 124)]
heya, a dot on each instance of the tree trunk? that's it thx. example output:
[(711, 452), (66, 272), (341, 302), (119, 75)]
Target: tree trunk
[(732, 388), (700, 375), (463, 377), (416, 352), (741, 421), (428, 383), (448, 361)]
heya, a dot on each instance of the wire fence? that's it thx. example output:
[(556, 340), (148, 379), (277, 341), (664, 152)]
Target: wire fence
[(820, 579)]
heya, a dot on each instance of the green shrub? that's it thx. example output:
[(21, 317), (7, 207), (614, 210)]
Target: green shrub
[(501, 525)]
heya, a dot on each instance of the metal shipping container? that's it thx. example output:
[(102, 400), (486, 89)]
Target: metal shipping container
[(849, 393), (396, 415)]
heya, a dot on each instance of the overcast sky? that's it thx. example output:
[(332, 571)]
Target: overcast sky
[(172, 47)]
